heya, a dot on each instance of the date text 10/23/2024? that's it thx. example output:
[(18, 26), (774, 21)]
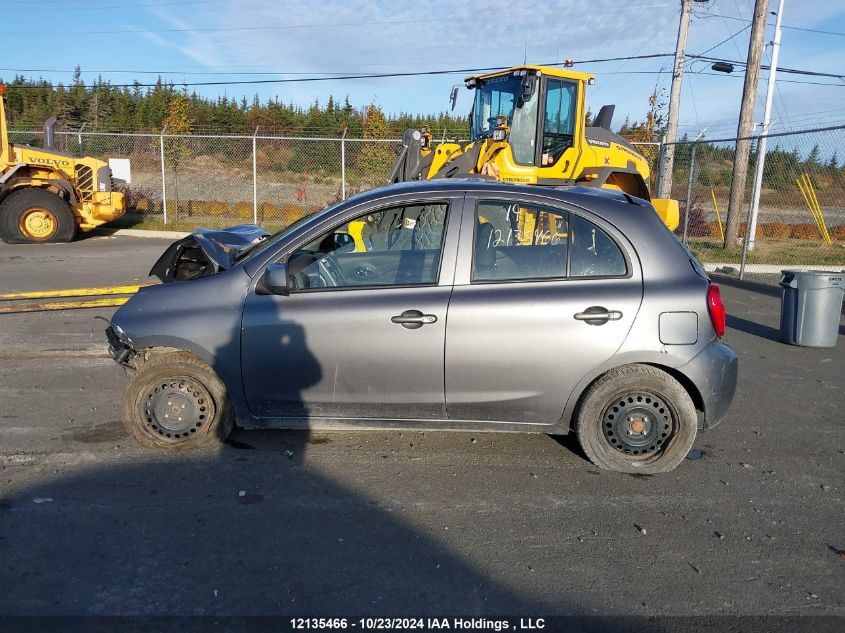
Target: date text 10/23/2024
[(419, 624)]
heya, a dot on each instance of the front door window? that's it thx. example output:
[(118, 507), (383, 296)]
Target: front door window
[(399, 246)]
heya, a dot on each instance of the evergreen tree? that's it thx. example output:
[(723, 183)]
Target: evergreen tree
[(376, 158), (813, 156)]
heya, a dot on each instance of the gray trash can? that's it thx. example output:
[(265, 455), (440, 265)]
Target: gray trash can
[(810, 307)]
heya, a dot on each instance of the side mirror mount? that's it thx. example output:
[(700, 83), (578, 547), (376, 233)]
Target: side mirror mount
[(453, 97), (276, 279), (343, 243), (529, 87)]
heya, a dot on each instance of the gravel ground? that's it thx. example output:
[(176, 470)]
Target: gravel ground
[(408, 523)]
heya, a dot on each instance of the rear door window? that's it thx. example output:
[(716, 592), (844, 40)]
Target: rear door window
[(517, 241)]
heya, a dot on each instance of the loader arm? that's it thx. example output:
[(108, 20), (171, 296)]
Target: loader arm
[(413, 158)]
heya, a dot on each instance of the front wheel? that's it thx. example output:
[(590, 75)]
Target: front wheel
[(636, 419), (36, 215), (175, 400)]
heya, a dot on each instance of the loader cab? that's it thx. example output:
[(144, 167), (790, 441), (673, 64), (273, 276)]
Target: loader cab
[(539, 112)]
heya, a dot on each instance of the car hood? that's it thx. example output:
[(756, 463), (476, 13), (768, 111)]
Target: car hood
[(206, 252)]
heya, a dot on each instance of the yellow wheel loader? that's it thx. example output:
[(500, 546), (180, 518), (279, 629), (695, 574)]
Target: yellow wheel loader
[(528, 126), (47, 196)]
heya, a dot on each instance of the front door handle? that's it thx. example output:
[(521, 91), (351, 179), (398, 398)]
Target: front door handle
[(598, 315), (413, 319)]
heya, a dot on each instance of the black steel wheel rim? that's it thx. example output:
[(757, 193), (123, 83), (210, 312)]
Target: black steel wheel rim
[(176, 409), (638, 424)]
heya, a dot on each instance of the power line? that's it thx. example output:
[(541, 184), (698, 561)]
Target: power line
[(780, 69), (658, 30), (784, 81), (303, 72), (393, 75), (727, 39), (455, 71), (277, 27), (343, 76), (107, 7), (705, 14)]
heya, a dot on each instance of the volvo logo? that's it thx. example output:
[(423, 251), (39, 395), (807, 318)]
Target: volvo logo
[(53, 162)]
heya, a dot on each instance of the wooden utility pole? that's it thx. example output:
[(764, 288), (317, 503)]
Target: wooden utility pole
[(746, 116), (761, 143), (668, 162)]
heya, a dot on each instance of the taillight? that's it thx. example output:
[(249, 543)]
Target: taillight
[(716, 309)]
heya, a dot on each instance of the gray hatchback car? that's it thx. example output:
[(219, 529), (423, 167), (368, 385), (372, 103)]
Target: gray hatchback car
[(448, 304)]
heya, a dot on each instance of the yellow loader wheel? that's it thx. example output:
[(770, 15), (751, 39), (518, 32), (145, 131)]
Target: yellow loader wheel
[(36, 215)]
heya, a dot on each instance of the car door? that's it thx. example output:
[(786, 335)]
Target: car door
[(541, 296), (361, 333)]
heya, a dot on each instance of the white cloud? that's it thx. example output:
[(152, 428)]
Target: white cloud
[(403, 36)]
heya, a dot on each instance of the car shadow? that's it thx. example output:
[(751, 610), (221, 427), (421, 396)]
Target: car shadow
[(751, 327), (251, 532), (570, 443), (233, 533)]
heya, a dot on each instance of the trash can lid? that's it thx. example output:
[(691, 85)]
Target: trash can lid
[(812, 279)]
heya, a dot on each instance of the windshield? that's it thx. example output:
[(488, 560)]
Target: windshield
[(503, 96)]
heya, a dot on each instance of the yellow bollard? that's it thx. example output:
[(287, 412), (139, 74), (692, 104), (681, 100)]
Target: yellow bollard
[(806, 195), (718, 217), (822, 223)]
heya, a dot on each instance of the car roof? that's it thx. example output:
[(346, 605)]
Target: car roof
[(606, 202), (491, 186)]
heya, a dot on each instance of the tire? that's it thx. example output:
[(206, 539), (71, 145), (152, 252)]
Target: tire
[(636, 419), (36, 216), (175, 400)]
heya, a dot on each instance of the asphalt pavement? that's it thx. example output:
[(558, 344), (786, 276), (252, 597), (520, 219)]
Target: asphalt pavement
[(388, 523)]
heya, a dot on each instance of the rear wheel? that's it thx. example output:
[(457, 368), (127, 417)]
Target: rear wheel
[(636, 419), (36, 215), (175, 400)]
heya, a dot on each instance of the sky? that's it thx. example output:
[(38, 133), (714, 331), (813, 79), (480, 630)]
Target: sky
[(236, 40)]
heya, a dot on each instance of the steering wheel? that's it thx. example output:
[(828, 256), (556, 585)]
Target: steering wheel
[(330, 272), (314, 270)]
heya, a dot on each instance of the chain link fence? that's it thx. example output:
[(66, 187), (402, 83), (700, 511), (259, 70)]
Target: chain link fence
[(799, 221), (183, 182)]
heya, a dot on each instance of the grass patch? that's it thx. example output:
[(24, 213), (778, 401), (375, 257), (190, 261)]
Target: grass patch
[(775, 252)]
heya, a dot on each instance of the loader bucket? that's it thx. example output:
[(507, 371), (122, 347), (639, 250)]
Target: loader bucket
[(668, 211)]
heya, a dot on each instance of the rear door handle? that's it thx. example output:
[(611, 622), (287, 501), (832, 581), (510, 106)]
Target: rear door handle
[(598, 315), (413, 319)]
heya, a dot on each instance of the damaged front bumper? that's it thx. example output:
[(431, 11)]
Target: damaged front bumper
[(120, 346)]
